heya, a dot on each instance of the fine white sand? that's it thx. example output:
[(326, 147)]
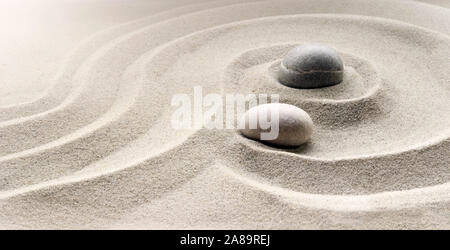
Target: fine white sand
[(86, 140)]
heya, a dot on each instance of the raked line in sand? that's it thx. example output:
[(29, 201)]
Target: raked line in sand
[(98, 151)]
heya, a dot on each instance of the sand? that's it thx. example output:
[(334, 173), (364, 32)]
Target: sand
[(86, 141)]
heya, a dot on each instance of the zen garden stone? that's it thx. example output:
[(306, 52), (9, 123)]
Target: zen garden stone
[(311, 66), (294, 125)]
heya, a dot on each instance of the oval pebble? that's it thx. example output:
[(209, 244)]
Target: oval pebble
[(311, 66), (295, 126)]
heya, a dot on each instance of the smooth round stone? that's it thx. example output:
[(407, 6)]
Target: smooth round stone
[(311, 66), (295, 125)]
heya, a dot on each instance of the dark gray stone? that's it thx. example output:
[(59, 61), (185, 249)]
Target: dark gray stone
[(311, 66)]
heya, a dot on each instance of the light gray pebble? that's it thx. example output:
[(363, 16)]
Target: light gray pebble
[(295, 126)]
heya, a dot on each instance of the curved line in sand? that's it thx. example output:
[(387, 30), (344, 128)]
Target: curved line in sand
[(350, 203), (84, 72), (173, 42), (172, 14), (86, 42), (431, 142), (444, 135), (374, 90), (118, 108), (369, 202), (92, 172), (420, 147)]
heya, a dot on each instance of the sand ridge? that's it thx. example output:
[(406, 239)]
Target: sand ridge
[(97, 150)]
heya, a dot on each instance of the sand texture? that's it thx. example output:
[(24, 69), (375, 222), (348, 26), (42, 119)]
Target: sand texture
[(92, 146)]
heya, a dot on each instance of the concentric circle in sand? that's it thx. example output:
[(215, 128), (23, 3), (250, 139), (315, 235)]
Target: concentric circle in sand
[(101, 146)]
